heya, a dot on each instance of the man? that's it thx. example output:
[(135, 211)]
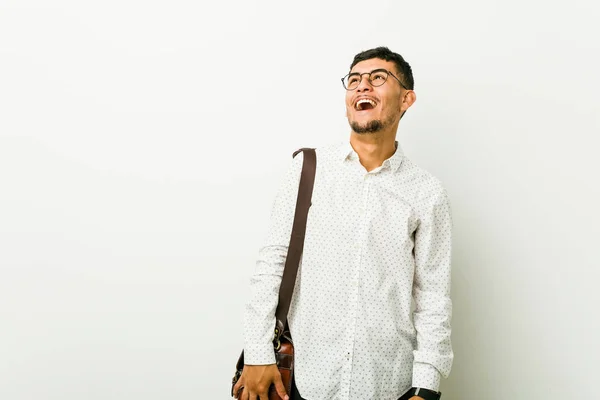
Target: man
[(378, 237)]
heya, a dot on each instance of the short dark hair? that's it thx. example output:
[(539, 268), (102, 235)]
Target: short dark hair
[(386, 54)]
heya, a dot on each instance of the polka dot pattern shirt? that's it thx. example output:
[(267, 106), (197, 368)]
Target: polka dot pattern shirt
[(370, 316)]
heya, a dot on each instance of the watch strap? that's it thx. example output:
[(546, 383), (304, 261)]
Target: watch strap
[(426, 394)]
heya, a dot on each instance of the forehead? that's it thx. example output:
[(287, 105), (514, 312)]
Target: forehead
[(374, 63)]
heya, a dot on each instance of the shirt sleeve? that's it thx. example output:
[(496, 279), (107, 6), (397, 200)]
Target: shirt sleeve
[(259, 315), (433, 355)]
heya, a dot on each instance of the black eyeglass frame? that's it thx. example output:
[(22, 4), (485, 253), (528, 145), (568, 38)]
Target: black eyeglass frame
[(369, 78)]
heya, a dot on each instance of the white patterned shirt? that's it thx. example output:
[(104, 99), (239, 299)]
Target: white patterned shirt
[(375, 241)]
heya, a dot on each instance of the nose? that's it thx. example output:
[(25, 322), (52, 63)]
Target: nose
[(364, 84)]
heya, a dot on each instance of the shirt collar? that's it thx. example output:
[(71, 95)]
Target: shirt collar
[(347, 153)]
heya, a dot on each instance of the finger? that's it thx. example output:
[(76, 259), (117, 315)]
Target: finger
[(245, 394), (252, 396), (264, 395), (238, 385), (280, 388), (237, 393)]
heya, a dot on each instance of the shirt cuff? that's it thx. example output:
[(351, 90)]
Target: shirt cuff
[(259, 355), (426, 376)]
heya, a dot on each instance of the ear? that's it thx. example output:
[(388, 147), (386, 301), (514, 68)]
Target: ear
[(408, 99)]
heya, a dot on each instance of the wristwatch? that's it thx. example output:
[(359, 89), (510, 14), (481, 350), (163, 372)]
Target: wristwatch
[(425, 393)]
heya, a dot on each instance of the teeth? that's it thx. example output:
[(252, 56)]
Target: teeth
[(362, 101)]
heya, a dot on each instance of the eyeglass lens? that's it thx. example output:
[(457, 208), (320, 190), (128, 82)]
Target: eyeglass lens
[(376, 78)]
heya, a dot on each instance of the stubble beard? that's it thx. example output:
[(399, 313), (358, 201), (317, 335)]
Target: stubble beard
[(370, 127)]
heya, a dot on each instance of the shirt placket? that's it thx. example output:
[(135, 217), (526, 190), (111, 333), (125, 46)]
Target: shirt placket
[(360, 242)]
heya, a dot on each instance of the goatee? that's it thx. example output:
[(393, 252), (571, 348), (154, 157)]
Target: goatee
[(370, 127)]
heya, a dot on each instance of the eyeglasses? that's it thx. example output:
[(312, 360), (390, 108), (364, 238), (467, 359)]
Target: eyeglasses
[(377, 77)]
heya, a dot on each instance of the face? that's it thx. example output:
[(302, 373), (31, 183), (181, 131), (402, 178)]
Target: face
[(374, 108)]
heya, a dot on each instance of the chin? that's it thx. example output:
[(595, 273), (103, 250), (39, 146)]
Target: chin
[(371, 126)]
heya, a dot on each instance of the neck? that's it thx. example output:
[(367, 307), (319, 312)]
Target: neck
[(373, 148)]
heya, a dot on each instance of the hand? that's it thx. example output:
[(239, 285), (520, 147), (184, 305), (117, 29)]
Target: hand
[(416, 398), (255, 382)]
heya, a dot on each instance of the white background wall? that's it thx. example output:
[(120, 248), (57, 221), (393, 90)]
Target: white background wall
[(141, 144)]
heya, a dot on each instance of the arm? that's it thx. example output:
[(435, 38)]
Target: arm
[(431, 290), (260, 371), (259, 316)]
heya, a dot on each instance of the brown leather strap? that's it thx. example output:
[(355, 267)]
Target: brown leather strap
[(292, 262)]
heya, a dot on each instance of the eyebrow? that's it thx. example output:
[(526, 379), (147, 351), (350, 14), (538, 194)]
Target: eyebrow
[(370, 72)]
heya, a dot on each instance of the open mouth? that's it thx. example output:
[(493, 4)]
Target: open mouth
[(364, 104)]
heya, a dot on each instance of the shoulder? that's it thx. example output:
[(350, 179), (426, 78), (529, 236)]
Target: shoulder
[(426, 189), (325, 154)]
